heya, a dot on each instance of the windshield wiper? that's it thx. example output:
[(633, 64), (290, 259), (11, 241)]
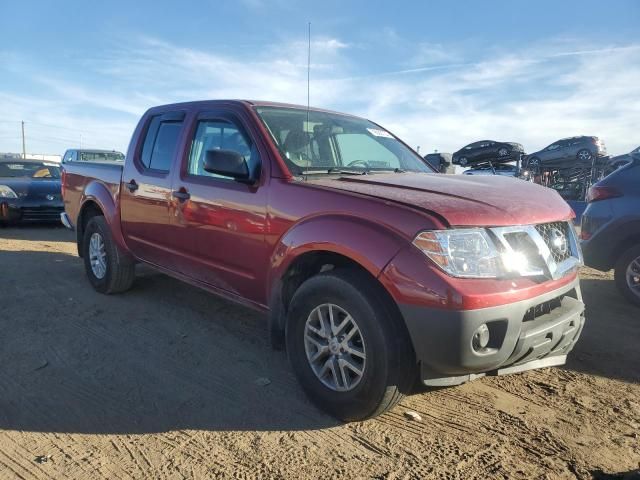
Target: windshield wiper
[(327, 171)]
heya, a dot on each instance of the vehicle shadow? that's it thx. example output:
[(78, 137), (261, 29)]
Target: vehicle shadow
[(630, 475), (607, 346), (163, 356)]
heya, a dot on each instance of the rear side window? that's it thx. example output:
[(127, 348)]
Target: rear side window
[(160, 144)]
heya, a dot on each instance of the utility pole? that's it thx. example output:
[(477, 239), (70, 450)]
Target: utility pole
[(24, 149)]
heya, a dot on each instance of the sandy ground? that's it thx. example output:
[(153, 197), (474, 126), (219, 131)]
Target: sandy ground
[(165, 381)]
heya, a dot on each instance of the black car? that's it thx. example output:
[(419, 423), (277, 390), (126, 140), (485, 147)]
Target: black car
[(487, 150), (441, 162), (610, 230), (30, 190), (567, 151), (619, 160)]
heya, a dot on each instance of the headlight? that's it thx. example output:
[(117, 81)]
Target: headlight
[(465, 252), (7, 192)]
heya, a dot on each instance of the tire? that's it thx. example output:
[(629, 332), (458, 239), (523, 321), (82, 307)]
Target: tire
[(463, 161), (388, 371), (584, 155), (503, 152), (533, 162), (119, 269), (629, 260)]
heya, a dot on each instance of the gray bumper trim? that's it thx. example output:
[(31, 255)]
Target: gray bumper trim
[(442, 339)]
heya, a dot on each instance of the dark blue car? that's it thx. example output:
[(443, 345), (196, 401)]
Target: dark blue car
[(30, 190), (611, 228)]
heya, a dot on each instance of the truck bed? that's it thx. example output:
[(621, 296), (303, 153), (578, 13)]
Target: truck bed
[(82, 177)]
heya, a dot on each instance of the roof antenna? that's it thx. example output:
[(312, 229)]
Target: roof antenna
[(308, 87), (308, 68)]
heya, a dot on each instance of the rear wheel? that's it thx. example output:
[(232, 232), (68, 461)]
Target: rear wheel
[(627, 274), (584, 155), (503, 152), (109, 270), (348, 351)]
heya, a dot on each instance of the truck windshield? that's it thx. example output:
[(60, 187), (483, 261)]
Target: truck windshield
[(322, 142)]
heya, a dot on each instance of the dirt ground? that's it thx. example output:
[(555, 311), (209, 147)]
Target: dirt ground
[(167, 381)]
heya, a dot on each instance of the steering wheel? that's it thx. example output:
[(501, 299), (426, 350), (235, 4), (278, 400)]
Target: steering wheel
[(362, 162)]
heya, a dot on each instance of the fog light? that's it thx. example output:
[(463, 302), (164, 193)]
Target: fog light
[(480, 338)]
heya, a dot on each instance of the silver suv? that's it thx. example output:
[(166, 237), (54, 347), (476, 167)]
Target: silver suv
[(566, 151)]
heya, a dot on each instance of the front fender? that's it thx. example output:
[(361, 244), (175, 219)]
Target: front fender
[(369, 244)]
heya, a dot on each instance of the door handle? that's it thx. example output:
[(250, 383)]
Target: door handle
[(181, 195), (132, 186)]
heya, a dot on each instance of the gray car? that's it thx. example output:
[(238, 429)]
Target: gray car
[(566, 151), (610, 230), (619, 160)]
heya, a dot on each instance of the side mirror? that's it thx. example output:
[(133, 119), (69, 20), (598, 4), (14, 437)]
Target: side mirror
[(227, 163)]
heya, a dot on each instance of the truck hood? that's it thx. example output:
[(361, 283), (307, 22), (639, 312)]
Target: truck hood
[(462, 200)]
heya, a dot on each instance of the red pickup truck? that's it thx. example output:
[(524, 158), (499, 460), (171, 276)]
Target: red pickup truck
[(373, 269)]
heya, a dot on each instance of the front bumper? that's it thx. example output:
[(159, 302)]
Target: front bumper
[(527, 334), (12, 211)]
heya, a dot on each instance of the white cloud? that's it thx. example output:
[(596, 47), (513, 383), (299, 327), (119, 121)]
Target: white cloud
[(439, 99)]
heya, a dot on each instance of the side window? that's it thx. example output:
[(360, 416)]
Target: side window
[(160, 144), (67, 156), (220, 135), (358, 147), (555, 146)]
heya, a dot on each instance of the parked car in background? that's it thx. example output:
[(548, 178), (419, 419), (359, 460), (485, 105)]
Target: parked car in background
[(374, 271), (570, 190), (503, 169), (88, 155), (29, 191), (610, 230), (441, 162), (581, 149), (619, 160), (487, 150)]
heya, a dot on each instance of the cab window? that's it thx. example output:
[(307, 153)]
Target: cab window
[(160, 144), (220, 135)]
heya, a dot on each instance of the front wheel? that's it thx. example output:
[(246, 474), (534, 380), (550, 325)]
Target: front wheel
[(627, 274), (109, 270), (350, 354)]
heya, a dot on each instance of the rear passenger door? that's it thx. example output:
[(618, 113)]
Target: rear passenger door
[(146, 193)]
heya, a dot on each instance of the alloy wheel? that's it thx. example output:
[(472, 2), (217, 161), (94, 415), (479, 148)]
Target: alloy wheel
[(335, 347), (97, 256), (584, 155), (633, 276)]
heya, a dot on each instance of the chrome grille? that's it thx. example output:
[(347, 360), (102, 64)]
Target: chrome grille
[(551, 249), (547, 231)]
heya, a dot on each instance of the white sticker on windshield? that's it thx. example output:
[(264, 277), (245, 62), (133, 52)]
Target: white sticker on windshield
[(376, 132)]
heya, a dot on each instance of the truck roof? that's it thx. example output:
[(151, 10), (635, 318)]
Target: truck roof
[(243, 102)]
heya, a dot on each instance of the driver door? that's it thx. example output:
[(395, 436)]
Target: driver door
[(222, 220)]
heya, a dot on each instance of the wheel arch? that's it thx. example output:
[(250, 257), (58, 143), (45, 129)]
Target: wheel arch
[(327, 243), (97, 199)]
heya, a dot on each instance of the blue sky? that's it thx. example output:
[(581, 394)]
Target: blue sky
[(438, 74)]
